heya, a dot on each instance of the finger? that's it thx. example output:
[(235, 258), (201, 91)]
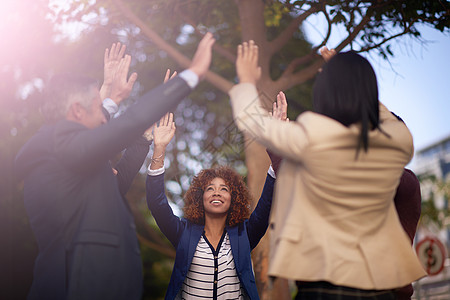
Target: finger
[(125, 67), (112, 51), (284, 106), (161, 121), (119, 68), (132, 80), (166, 119), (239, 51), (244, 50), (173, 75), (166, 77), (255, 54), (253, 51), (251, 45), (207, 38), (106, 56), (274, 109), (122, 51), (170, 119), (115, 53)]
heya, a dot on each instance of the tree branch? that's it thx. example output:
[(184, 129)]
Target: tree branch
[(355, 32), (167, 251), (218, 81), (368, 48), (325, 40), (276, 44), (286, 82), (218, 48), (297, 62)]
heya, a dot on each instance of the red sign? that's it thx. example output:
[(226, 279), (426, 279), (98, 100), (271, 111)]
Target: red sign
[(431, 253)]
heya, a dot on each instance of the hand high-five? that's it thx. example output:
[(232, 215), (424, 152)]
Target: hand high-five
[(326, 53), (111, 61), (202, 57), (279, 112), (279, 108), (247, 63), (167, 77), (121, 86), (164, 131), (162, 135)]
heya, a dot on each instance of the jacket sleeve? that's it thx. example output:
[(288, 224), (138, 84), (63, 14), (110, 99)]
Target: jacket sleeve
[(169, 224), (253, 119), (130, 163), (83, 150), (259, 219)]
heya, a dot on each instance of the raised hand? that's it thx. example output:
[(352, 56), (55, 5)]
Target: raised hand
[(121, 86), (162, 135), (202, 57), (111, 61), (167, 77), (164, 131), (279, 108), (326, 53), (247, 63), (279, 112)]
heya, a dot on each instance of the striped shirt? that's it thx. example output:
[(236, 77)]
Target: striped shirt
[(212, 273)]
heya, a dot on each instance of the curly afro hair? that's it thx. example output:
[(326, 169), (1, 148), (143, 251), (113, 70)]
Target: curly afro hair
[(240, 196)]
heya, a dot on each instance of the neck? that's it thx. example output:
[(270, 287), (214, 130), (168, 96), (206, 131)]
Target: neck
[(215, 225)]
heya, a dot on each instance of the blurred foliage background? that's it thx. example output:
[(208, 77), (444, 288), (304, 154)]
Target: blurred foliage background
[(45, 37)]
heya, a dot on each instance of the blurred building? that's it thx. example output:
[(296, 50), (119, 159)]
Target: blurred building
[(432, 166)]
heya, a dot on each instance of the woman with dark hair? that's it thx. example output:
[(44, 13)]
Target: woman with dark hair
[(214, 239), (334, 227)]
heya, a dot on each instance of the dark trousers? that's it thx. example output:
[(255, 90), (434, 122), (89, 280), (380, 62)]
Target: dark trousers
[(321, 290)]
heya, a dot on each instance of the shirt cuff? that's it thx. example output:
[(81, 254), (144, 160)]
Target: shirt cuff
[(271, 172), (155, 172), (110, 106), (190, 77)]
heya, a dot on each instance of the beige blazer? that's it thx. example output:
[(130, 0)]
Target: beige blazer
[(333, 216)]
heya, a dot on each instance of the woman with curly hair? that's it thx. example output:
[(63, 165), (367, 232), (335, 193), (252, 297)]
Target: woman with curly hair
[(214, 239)]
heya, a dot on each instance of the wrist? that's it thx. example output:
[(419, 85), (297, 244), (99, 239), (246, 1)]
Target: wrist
[(117, 99), (245, 79), (159, 149)]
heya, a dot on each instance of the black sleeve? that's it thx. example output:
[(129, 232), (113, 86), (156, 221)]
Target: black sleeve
[(130, 163), (83, 150)]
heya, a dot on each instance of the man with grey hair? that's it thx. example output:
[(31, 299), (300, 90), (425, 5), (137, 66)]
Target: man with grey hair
[(85, 231)]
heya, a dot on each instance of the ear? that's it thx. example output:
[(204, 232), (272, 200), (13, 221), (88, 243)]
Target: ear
[(76, 112)]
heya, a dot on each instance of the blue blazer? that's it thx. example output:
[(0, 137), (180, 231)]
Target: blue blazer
[(185, 235), (88, 248)]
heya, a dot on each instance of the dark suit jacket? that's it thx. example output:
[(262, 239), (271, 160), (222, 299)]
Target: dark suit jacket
[(184, 235), (85, 232)]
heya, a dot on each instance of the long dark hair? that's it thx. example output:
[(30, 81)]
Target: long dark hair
[(346, 90)]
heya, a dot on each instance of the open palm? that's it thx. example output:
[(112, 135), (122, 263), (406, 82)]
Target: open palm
[(164, 131)]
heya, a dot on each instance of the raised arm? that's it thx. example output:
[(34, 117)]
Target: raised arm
[(157, 202), (89, 148), (252, 118), (259, 219)]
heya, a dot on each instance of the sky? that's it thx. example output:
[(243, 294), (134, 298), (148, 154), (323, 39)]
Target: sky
[(416, 83)]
